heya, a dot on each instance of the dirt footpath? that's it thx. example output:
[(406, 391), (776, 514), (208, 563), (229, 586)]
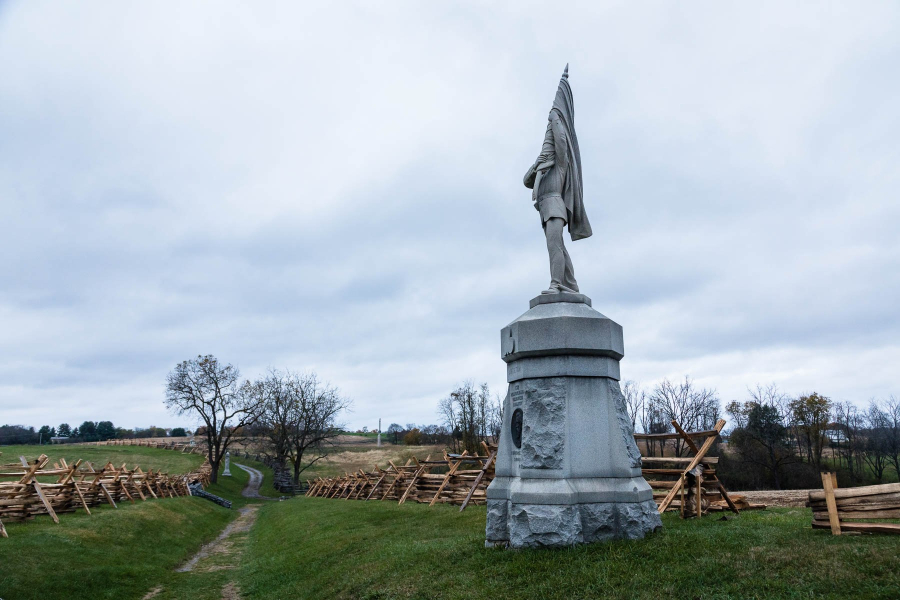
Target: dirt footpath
[(252, 488)]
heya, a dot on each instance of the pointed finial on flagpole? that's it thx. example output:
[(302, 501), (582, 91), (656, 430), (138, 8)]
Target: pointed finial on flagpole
[(566, 72)]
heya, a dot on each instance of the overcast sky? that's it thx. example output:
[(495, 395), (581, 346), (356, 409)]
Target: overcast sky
[(337, 187)]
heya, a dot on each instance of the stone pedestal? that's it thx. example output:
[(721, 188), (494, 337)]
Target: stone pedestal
[(568, 470)]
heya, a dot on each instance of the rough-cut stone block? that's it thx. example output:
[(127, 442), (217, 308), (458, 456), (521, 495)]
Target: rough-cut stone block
[(619, 521), (636, 520), (497, 527), (535, 525), (544, 432)]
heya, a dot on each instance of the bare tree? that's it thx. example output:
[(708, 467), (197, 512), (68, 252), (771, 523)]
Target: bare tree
[(210, 390), (877, 439), (635, 402), (471, 416), (300, 417), (892, 412), (695, 409), (848, 420)]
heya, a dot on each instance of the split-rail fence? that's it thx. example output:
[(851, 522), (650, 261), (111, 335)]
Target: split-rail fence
[(29, 489), (678, 482)]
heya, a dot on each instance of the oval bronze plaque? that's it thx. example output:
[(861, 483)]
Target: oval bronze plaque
[(516, 427)]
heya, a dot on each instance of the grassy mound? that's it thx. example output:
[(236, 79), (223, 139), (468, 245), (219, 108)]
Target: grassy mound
[(112, 553), (318, 548)]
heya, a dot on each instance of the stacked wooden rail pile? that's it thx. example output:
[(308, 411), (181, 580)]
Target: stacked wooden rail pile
[(457, 479), (39, 489), (683, 482), (836, 509)]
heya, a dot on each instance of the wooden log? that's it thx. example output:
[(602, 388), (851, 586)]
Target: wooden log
[(833, 519), (893, 528), (858, 492)]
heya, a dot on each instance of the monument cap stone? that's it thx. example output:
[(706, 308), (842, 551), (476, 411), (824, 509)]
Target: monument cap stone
[(562, 335)]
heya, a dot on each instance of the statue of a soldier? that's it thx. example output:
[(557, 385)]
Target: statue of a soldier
[(555, 178)]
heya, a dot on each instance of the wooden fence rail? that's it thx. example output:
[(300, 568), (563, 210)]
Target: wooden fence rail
[(463, 479), (183, 447), (459, 479), (40, 489), (855, 509)]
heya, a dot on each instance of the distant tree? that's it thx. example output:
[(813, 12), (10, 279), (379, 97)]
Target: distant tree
[(876, 442), (45, 433), (211, 391), (695, 409), (299, 417), (88, 431), (179, 432), (413, 437), (635, 401), (18, 434), (810, 415), (892, 412), (763, 442), (472, 415), (124, 434), (394, 431), (64, 430), (76, 433), (105, 430)]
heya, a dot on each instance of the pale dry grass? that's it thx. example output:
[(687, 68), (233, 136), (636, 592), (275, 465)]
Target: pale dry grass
[(348, 461)]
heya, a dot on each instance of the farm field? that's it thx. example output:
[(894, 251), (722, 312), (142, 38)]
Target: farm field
[(147, 458), (349, 457)]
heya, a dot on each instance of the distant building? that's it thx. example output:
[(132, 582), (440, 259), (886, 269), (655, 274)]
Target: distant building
[(836, 436), (59, 439)]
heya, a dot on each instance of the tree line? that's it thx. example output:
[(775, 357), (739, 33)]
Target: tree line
[(776, 441), (89, 431), (785, 442)]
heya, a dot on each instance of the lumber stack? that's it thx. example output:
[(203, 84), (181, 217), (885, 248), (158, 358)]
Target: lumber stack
[(855, 509), (29, 489)]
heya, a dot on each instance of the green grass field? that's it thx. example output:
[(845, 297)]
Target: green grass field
[(123, 552), (112, 553), (319, 548), (146, 458)]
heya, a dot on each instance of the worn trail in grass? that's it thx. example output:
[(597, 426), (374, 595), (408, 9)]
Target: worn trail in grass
[(129, 552), (111, 553), (210, 573)]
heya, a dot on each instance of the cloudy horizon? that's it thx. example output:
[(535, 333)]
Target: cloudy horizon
[(338, 188)]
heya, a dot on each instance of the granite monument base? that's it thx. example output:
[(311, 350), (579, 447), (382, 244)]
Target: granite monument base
[(559, 525), (568, 470)]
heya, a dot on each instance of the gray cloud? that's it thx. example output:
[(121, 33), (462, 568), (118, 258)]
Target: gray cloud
[(338, 188)]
